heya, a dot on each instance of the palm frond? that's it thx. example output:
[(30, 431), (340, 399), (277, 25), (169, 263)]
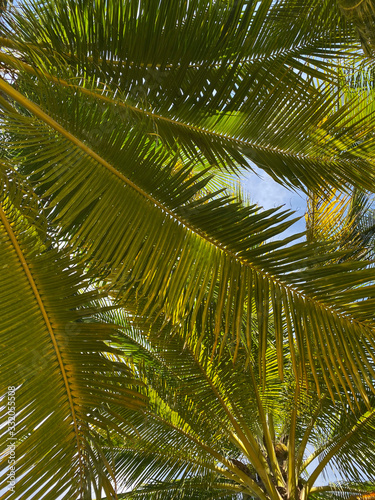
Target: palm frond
[(54, 359), (139, 216), (205, 414), (189, 489), (114, 116), (362, 15), (345, 490), (257, 103)]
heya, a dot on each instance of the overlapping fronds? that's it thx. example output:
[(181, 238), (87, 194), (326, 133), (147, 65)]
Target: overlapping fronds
[(117, 113), (344, 441), (192, 489), (362, 14), (139, 215), (226, 81), (215, 420), (53, 357), (119, 179), (347, 221), (204, 414)]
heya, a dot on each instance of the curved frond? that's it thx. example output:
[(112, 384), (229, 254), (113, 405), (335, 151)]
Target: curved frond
[(229, 95), (346, 220), (362, 14), (115, 116), (191, 489), (344, 448), (205, 420), (54, 361)]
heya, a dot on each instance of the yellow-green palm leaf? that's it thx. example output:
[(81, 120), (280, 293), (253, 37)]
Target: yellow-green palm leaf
[(56, 359)]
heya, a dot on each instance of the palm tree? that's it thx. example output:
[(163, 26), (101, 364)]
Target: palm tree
[(114, 117), (214, 429)]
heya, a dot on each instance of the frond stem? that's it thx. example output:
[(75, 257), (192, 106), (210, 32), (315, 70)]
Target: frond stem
[(142, 112), (245, 479), (252, 450), (305, 439), (47, 322), (292, 479), (339, 444), (266, 433)]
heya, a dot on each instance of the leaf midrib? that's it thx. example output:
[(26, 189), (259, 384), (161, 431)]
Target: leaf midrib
[(154, 116), (293, 51), (47, 322)]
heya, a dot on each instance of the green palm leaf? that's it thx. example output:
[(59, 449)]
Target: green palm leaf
[(54, 356), (196, 488), (362, 15), (210, 420), (116, 113), (255, 96)]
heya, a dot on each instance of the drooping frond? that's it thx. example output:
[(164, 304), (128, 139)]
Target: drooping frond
[(339, 439), (215, 420), (54, 359), (348, 221), (142, 220), (190, 489), (345, 491), (202, 417)]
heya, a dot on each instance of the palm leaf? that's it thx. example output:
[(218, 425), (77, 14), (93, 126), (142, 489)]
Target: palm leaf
[(195, 488), (343, 448), (195, 409), (347, 220), (362, 15), (236, 117), (54, 358), (205, 415), (118, 187)]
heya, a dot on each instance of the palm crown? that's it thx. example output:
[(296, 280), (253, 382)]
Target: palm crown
[(114, 116), (215, 430)]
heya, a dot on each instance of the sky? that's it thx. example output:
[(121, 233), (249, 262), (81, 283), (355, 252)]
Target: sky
[(267, 193)]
